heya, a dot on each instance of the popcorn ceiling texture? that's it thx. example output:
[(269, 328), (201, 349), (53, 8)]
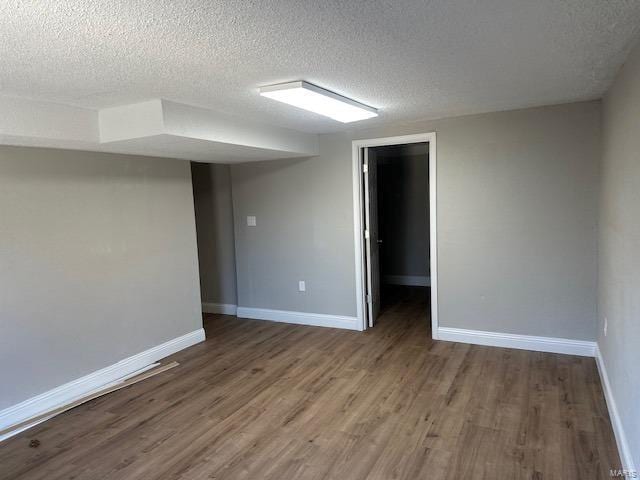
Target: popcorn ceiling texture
[(412, 59)]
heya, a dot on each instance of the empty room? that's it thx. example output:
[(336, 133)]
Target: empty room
[(316, 240)]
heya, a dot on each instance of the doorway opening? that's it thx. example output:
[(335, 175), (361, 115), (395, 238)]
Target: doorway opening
[(395, 226)]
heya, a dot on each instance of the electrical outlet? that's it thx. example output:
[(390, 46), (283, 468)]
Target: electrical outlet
[(606, 325), (302, 287), (251, 221)]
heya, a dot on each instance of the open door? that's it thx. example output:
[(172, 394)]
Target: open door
[(372, 242)]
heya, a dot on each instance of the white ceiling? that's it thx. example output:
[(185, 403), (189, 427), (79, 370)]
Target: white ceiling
[(156, 127), (411, 59)]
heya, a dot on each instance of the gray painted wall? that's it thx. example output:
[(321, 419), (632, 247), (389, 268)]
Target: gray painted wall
[(304, 231), (97, 263), (517, 207), (214, 224), (403, 206), (619, 247)]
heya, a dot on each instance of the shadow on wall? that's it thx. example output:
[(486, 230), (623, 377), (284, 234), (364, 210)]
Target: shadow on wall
[(214, 227)]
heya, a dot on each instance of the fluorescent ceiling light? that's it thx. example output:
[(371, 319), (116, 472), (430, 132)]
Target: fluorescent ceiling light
[(315, 99)]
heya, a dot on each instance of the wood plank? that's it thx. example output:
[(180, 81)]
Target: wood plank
[(87, 398), (271, 400)]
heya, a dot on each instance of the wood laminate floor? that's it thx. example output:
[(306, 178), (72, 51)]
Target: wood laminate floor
[(261, 400)]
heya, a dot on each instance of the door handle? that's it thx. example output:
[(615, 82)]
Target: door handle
[(379, 241)]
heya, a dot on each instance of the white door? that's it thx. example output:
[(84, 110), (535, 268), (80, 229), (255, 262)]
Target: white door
[(370, 169)]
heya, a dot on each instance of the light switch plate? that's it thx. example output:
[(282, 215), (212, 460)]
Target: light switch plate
[(302, 287), (251, 221)]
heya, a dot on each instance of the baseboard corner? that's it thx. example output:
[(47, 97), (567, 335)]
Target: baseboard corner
[(219, 308), (624, 449)]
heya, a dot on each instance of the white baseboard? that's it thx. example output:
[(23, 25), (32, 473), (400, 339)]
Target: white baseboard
[(69, 392), (523, 342), (408, 280), (222, 308), (299, 318), (621, 439)]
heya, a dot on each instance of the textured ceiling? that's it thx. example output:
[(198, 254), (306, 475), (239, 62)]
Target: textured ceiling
[(412, 59)]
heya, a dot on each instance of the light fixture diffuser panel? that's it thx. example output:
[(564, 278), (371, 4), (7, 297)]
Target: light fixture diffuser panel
[(315, 99)]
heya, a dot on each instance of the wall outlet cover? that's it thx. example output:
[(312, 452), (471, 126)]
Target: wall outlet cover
[(251, 221)]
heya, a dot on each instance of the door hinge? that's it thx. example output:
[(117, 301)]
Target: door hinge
[(365, 168), (366, 234), (368, 298)]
